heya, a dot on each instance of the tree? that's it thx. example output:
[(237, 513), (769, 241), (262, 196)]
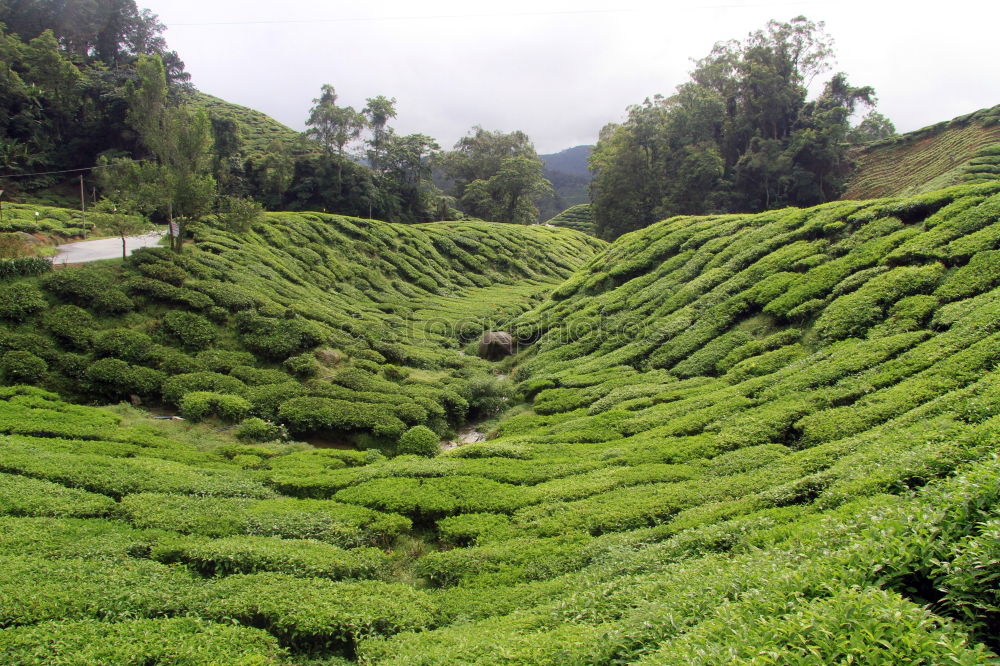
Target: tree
[(378, 112), (121, 219), (238, 213), (179, 140), (406, 167), (873, 127), (496, 175), (334, 127), (740, 136)]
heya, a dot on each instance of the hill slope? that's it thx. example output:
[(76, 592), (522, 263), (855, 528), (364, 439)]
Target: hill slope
[(578, 217), (292, 309), (258, 130), (747, 439), (963, 150)]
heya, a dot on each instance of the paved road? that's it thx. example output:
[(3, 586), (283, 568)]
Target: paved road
[(105, 248)]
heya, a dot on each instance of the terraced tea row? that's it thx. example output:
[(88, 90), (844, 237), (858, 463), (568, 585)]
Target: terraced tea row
[(743, 439)]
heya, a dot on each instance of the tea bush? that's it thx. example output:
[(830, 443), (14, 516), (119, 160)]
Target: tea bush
[(194, 331), (420, 441), (199, 405), (20, 301), (163, 641), (22, 367)]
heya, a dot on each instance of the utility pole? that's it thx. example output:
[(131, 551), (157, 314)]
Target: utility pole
[(1, 205), (83, 209)]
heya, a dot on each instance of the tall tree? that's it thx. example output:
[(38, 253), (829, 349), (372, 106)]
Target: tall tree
[(378, 112), (180, 140), (741, 136), (496, 175), (334, 127)]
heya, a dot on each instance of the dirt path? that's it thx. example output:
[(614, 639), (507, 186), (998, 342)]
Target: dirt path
[(467, 435)]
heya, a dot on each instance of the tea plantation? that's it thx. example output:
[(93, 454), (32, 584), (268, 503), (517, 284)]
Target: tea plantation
[(576, 217), (962, 150), (749, 439)]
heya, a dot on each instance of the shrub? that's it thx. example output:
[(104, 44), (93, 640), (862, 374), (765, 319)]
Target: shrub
[(394, 373), (199, 405), (259, 430), (222, 360), (266, 399), (302, 365), (305, 415), (419, 440), (175, 387), (226, 295), (258, 376), (20, 301), (117, 476), (183, 640), (22, 367), (981, 274), (80, 285), (114, 378), (339, 613), (163, 271), (125, 344), (193, 331), (72, 325), (175, 362), (112, 301), (343, 525), (277, 338), (24, 267), (487, 395), (21, 496), (250, 554)]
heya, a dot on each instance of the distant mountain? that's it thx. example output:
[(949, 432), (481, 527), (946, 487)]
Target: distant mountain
[(567, 170), (572, 161)]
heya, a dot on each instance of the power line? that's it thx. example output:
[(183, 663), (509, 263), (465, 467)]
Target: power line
[(369, 19), (49, 173), (434, 17)]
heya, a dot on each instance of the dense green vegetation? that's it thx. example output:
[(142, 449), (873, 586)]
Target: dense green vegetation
[(79, 92), (740, 136), (763, 438), (340, 327), (496, 176), (963, 150), (577, 217)]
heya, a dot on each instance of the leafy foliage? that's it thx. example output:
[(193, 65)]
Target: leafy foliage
[(745, 438), (740, 136)]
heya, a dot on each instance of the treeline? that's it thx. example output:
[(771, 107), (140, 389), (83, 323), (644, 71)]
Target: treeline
[(84, 84), (740, 136), (64, 74)]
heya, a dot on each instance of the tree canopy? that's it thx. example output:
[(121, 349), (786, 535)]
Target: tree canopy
[(740, 136), (496, 175)]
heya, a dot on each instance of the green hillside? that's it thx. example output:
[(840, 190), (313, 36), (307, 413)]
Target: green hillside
[(576, 217), (963, 150), (258, 131), (302, 310), (751, 439)]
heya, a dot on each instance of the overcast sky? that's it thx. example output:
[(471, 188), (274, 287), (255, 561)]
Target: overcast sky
[(559, 69)]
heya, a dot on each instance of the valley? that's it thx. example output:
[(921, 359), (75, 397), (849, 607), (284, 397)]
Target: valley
[(790, 415)]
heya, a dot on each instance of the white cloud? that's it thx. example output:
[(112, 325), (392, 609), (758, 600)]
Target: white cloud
[(558, 70)]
